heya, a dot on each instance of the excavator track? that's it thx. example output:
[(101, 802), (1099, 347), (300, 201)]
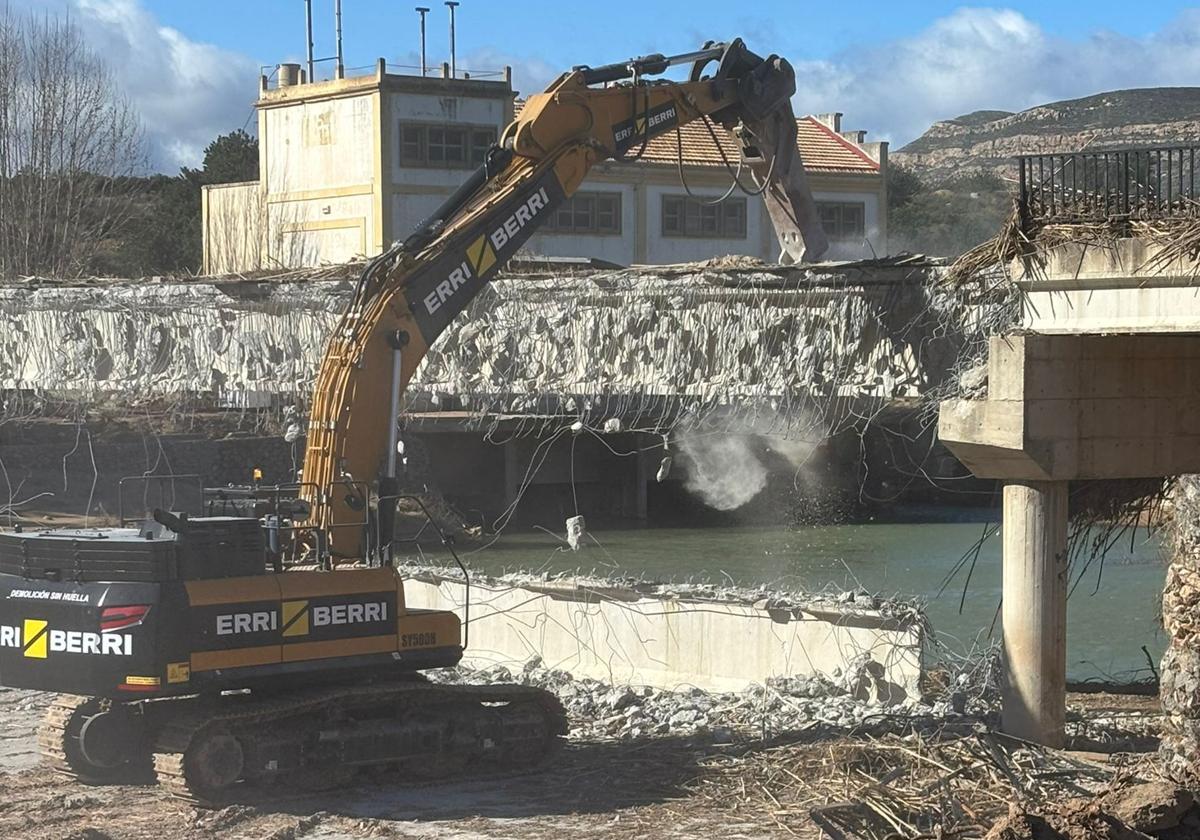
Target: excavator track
[(60, 743), (318, 738)]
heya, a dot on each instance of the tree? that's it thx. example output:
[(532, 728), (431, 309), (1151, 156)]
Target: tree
[(946, 219), (230, 158), (69, 144), (903, 186), (167, 221)]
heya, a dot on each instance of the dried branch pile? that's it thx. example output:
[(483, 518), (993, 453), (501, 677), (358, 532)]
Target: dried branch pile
[(958, 783), (1177, 240)]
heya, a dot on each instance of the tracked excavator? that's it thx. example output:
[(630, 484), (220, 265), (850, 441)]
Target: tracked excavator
[(265, 639)]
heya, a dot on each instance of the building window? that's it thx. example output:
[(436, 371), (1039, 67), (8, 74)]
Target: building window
[(587, 212), (686, 216), (444, 146), (843, 220)]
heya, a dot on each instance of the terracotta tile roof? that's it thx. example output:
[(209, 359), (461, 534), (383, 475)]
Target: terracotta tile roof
[(822, 148)]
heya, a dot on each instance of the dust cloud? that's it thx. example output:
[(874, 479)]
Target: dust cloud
[(728, 470)]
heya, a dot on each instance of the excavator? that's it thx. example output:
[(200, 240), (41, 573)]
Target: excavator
[(266, 641)]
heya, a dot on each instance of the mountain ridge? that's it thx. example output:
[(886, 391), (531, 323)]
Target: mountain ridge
[(986, 141)]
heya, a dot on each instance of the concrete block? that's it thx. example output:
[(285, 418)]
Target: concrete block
[(1159, 377), (670, 642), (1119, 457), (995, 462), (1107, 346), (1063, 460), (1067, 348), (1081, 264), (1165, 347), (1186, 413), (1114, 417), (1006, 368), (1110, 378), (1152, 309), (998, 423), (1177, 454), (1056, 379), (1053, 419)]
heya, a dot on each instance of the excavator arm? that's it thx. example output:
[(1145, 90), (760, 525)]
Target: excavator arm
[(408, 295)]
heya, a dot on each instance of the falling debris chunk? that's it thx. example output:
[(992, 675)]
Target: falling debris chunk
[(664, 469), (576, 531)]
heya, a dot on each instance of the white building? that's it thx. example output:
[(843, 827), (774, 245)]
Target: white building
[(350, 165)]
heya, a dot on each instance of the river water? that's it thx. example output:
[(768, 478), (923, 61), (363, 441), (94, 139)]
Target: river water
[(1107, 626)]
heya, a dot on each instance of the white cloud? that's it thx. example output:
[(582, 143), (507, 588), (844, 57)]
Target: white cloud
[(975, 58), (186, 92), (985, 58)]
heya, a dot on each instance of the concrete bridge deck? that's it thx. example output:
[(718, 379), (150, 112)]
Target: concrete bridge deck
[(641, 341)]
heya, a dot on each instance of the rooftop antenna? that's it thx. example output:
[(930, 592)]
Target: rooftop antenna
[(308, 29), (422, 11), (340, 73), (450, 4)]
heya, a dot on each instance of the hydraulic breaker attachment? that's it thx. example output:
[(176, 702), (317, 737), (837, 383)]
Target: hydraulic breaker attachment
[(764, 123), (769, 149)]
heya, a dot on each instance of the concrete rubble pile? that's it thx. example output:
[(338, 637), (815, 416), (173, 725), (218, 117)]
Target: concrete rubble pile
[(846, 703), (1179, 692)]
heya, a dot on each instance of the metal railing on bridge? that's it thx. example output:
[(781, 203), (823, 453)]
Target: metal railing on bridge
[(1151, 182)]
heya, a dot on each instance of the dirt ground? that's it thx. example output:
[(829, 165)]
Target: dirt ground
[(664, 788)]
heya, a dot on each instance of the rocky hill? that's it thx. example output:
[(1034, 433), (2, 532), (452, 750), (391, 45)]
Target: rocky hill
[(986, 141)]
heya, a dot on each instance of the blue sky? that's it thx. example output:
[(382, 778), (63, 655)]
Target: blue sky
[(563, 33), (893, 68)]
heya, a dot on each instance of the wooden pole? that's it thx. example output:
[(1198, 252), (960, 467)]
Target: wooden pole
[(1035, 611)]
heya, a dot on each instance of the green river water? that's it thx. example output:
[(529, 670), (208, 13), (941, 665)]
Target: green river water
[(1106, 630)]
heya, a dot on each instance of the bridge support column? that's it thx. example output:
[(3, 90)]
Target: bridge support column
[(513, 473), (1034, 611)]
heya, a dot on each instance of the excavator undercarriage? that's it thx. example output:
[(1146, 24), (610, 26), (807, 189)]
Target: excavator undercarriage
[(211, 750)]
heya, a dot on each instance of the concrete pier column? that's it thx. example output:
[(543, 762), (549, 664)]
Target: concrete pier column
[(513, 473), (641, 478), (1035, 610), (633, 479)]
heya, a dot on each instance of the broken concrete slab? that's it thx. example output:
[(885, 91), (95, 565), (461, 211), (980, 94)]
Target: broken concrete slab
[(668, 636)]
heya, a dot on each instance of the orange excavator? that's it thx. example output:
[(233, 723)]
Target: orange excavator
[(186, 647)]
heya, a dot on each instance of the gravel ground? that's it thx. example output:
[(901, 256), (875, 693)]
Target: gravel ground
[(623, 775)]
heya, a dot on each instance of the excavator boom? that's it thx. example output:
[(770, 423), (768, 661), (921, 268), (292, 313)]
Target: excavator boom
[(409, 295)]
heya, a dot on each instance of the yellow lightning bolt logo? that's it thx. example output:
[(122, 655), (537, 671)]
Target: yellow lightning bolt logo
[(295, 618), (481, 255), (34, 638)]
